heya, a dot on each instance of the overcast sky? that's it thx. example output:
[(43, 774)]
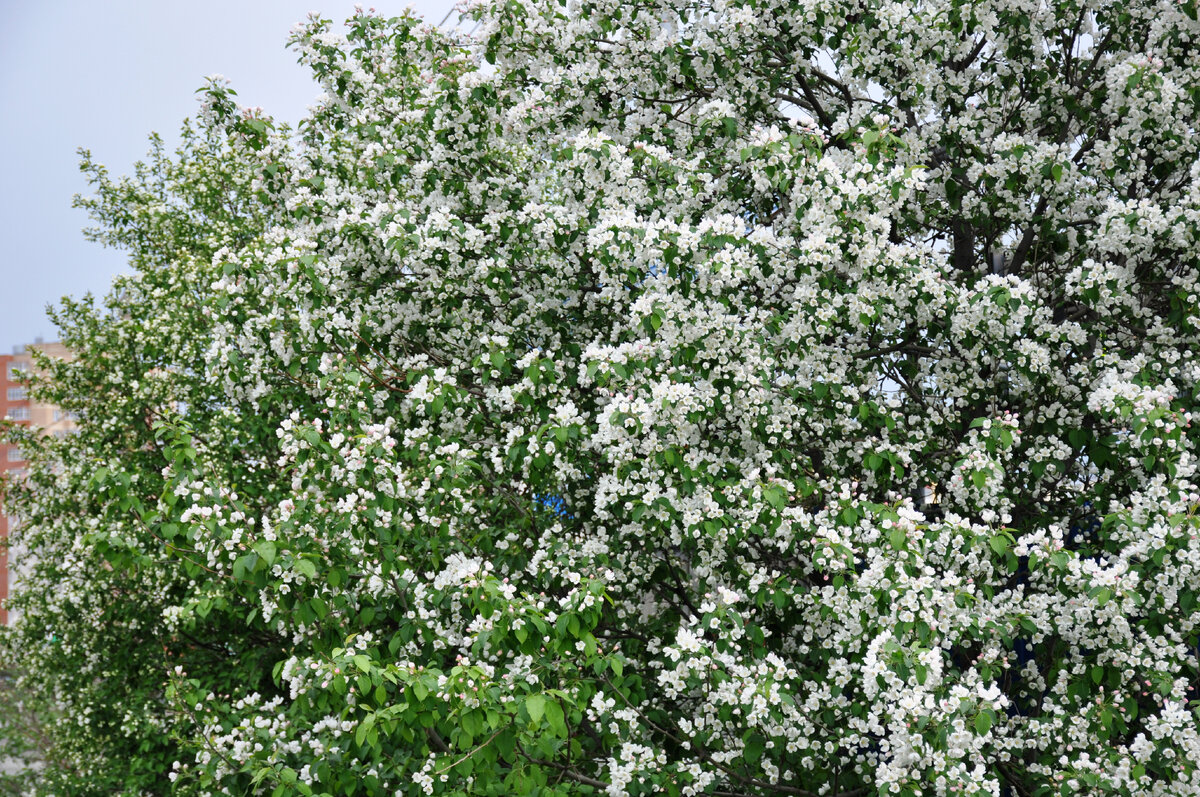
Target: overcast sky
[(103, 74)]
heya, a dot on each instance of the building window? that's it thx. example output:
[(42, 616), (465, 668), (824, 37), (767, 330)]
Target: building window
[(58, 415), (16, 369), (14, 454), (17, 394), (18, 414)]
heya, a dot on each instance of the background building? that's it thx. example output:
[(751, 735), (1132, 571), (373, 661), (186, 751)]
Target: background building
[(15, 405)]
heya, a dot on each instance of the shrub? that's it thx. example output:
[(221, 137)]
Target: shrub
[(737, 398)]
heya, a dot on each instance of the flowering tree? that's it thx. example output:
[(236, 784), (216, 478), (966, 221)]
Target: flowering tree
[(725, 398), (97, 583)]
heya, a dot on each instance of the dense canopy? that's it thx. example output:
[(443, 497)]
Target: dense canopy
[(739, 398)]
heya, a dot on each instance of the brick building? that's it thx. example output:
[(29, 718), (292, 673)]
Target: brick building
[(15, 405)]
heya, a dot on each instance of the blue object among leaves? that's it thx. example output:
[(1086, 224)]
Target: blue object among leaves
[(554, 503)]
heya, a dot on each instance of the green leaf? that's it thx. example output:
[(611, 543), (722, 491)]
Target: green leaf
[(554, 716), (266, 550), (244, 565), (536, 706), (983, 722), (755, 747), (364, 728)]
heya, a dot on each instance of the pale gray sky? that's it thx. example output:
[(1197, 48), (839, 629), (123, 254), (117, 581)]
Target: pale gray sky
[(103, 74)]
